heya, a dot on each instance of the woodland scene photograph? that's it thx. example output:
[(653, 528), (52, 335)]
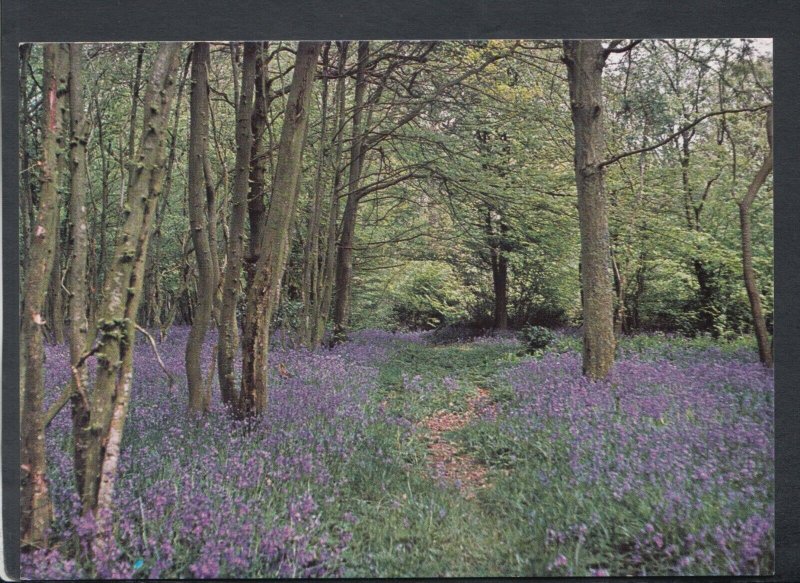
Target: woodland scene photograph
[(377, 308)]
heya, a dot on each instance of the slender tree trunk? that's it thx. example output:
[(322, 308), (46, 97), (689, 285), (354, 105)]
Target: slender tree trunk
[(619, 290), (228, 328), (325, 291), (211, 204), (750, 282), (26, 209), (499, 271), (79, 245), (153, 310), (137, 82), (256, 205), (54, 295), (344, 262), (105, 192), (101, 436), (264, 293), (199, 224), (501, 292), (585, 61), (35, 499), (308, 289)]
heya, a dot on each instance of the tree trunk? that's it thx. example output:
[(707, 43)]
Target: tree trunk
[(325, 290), (79, 246), (585, 61), (105, 193), (26, 208), (311, 250), (199, 399), (35, 500), (137, 82), (228, 328), (499, 262), (619, 290), (264, 294), (54, 293), (750, 282), (256, 206), (101, 436), (344, 261), (153, 310)]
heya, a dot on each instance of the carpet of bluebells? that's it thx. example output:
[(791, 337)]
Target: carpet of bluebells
[(664, 468)]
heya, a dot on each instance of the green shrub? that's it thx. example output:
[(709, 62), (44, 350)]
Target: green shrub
[(536, 338)]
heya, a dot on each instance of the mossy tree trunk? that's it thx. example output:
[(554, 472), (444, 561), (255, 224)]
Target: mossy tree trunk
[(35, 500), (100, 436), (79, 245)]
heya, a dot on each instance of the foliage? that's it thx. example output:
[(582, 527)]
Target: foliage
[(536, 338), (425, 296)]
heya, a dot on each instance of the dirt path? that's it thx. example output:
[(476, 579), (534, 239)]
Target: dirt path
[(443, 456)]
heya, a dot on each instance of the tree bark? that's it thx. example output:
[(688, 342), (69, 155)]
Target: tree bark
[(499, 262), (228, 328), (101, 435), (325, 291), (311, 250), (35, 499), (264, 293), (750, 282), (137, 82), (344, 261), (105, 193), (256, 205), (26, 214), (585, 61), (79, 246), (54, 295), (199, 399)]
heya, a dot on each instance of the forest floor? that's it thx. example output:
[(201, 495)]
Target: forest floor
[(447, 461), (390, 456)]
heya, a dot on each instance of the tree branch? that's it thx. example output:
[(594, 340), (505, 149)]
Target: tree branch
[(674, 135), (614, 47), (58, 405), (152, 341)]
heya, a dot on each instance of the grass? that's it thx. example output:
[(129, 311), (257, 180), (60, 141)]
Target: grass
[(410, 525)]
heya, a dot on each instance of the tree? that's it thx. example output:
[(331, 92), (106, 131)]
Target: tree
[(35, 502), (200, 212), (79, 245), (344, 260), (228, 328), (585, 61), (264, 292), (750, 282), (100, 433)]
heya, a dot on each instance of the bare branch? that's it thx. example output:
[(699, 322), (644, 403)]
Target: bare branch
[(58, 405), (680, 131), (614, 47), (152, 341)]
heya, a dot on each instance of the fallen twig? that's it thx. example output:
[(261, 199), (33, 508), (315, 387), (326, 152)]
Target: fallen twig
[(152, 340)]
